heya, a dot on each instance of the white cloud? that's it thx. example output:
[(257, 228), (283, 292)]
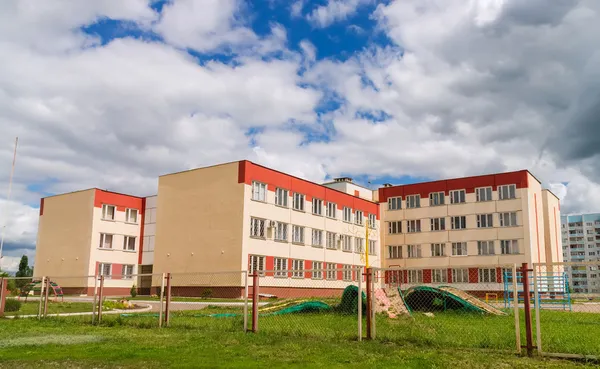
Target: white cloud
[(334, 11), (296, 9)]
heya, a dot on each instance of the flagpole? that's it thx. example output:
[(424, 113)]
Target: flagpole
[(5, 217)]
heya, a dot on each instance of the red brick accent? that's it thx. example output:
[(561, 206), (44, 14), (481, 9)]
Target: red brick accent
[(473, 275), (117, 270), (426, 275), (308, 265), (340, 273), (449, 275), (499, 275), (121, 201)]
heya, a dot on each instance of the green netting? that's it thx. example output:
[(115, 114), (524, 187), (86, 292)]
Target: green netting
[(349, 303), (425, 298), (304, 307)]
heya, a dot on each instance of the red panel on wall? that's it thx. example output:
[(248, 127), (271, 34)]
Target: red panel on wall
[(473, 275), (405, 276), (308, 265), (339, 273), (116, 271), (41, 207), (142, 218), (449, 275), (469, 184), (249, 172), (426, 275), (269, 265), (121, 201), (499, 275)]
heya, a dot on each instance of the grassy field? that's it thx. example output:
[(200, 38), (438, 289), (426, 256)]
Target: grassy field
[(66, 343), (32, 307), (178, 299)]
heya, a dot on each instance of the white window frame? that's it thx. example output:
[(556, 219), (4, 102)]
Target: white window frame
[(395, 203), (317, 238), (331, 240), (460, 275), (359, 245), (438, 249), (485, 275), (394, 252), (458, 196), (372, 221), (297, 268), (317, 206), (129, 214), (458, 222), (259, 191), (507, 192), (413, 251), (436, 198), (102, 270), (508, 219), (331, 211), (346, 243), (317, 272), (298, 234), (257, 228), (372, 247), (413, 226), (415, 276), (331, 273), (358, 217), (103, 237), (298, 201), (395, 227), (439, 276), (282, 197), (437, 224), (280, 267), (483, 194), (459, 249), (485, 220), (257, 264), (347, 273), (486, 248), (127, 243), (125, 273), (413, 201), (509, 247), (105, 212), (347, 214), (281, 232)]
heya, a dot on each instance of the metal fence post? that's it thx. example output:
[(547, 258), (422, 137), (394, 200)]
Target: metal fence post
[(41, 297), (3, 293), (245, 301), (527, 304), (360, 277), (168, 299), (536, 296), (95, 297), (100, 298), (373, 316), (162, 288), (369, 306), (516, 308), (255, 289), (46, 296)]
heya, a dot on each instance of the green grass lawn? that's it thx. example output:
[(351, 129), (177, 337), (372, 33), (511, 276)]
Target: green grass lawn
[(66, 343), (182, 299), (32, 307)]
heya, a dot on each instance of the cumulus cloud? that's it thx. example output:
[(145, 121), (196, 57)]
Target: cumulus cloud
[(334, 11)]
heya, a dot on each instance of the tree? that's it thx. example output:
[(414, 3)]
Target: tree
[(11, 282), (24, 271)]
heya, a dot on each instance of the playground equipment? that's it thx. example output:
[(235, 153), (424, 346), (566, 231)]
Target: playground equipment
[(443, 298), (36, 287), (553, 290), (391, 302)]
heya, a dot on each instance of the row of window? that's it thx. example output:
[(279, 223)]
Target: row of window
[(105, 269), (106, 242), (281, 268), (282, 198), (505, 192), (507, 247), (319, 238), (108, 213), (459, 275), (456, 222)]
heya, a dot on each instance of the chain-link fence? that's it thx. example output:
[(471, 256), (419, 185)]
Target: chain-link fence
[(566, 297), (323, 302), (447, 307)]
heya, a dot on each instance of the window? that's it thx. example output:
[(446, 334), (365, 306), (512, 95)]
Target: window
[(259, 191), (485, 220), (436, 198), (459, 249), (460, 275), (413, 201), (457, 196), (439, 276), (108, 212), (509, 247), (415, 276), (298, 202), (105, 241), (347, 243), (507, 192), (438, 224), (297, 268), (105, 269), (395, 227), (359, 245), (317, 206), (281, 232), (394, 252), (331, 270), (257, 264), (129, 243), (438, 249), (331, 241), (508, 219), (317, 238), (487, 275), (281, 197), (372, 247), (331, 210), (459, 222), (347, 273), (414, 251), (127, 272), (280, 265), (358, 217), (131, 215), (372, 221), (413, 226), (483, 194), (347, 214), (297, 234), (257, 227), (485, 248), (317, 270), (395, 203)]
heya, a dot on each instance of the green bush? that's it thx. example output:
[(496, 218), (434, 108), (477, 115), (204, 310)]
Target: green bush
[(12, 305), (133, 291)]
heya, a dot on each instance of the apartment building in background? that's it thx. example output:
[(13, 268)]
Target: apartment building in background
[(448, 231), (581, 243)]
